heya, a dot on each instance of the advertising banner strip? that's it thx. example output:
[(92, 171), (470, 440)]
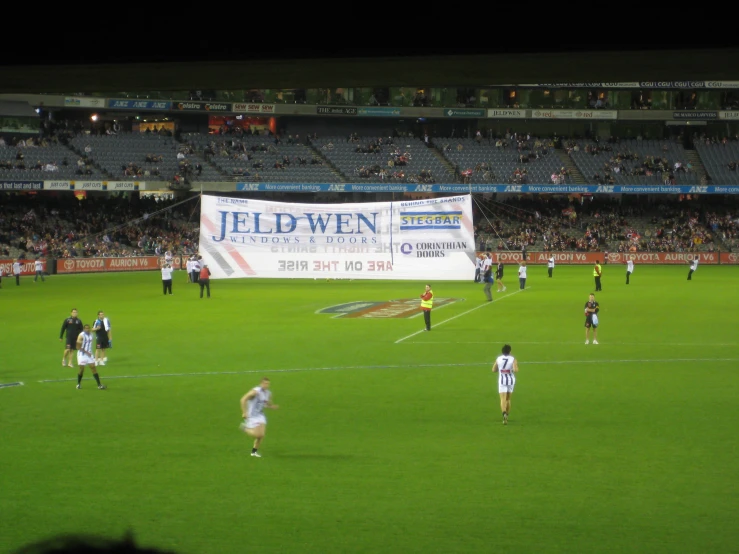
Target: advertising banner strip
[(574, 114), (465, 112), (507, 114), (243, 107), (379, 111), (456, 188), (292, 264), (139, 104), (694, 114), (84, 102), (21, 185), (27, 267), (94, 185), (102, 265), (637, 84), (219, 107), (589, 258), (336, 110), (432, 238)]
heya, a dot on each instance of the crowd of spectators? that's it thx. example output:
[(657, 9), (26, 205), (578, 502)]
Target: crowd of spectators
[(571, 225), (59, 227), (630, 163), (389, 162)]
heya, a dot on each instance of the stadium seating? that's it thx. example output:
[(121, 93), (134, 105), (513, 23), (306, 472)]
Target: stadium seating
[(45, 155), (589, 164), (294, 172), (115, 152), (716, 158), (502, 162), (348, 161)]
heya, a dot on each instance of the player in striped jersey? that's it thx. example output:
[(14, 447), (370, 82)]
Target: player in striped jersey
[(506, 367), (85, 357), (252, 410)]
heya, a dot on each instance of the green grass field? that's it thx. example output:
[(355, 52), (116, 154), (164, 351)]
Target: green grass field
[(378, 446)]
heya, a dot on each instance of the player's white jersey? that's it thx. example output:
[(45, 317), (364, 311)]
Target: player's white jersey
[(486, 263), (86, 342), (255, 406), (550, 263), (630, 266), (694, 264), (39, 265), (166, 274), (522, 272), (506, 377)]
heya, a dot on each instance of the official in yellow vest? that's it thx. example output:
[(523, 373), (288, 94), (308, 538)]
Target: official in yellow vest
[(427, 301), (597, 272)]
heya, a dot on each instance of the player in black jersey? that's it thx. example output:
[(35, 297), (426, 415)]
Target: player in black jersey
[(73, 327)]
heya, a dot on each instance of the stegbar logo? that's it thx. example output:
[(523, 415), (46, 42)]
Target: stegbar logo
[(403, 308)]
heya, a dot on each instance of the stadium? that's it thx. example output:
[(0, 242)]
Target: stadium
[(299, 210)]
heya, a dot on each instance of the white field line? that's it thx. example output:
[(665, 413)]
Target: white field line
[(460, 315), (487, 363), (654, 343)]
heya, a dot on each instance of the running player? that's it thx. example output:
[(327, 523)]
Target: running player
[(506, 366), (629, 270), (499, 276), (591, 319), (85, 357), (252, 410), (693, 266)]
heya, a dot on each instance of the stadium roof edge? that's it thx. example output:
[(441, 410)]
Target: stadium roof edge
[(453, 70)]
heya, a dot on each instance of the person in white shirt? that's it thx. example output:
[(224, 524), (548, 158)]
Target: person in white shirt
[(17, 271), (506, 367), (522, 275), (39, 265), (550, 265), (629, 270), (196, 267), (478, 268), (693, 267), (167, 278), (188, 268), (252, 410), (487, 262), (85, 357)]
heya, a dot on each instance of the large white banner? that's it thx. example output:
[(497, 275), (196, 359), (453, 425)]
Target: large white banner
[(420, 240)]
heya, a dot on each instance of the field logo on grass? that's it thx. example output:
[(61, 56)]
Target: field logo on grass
[(405, 307)]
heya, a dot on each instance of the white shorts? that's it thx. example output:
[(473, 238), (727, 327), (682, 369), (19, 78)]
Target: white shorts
[(84, 359), (505, 388), (253, 422)]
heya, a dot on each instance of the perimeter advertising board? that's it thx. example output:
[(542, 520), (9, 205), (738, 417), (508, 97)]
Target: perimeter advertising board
[(27, 267)]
